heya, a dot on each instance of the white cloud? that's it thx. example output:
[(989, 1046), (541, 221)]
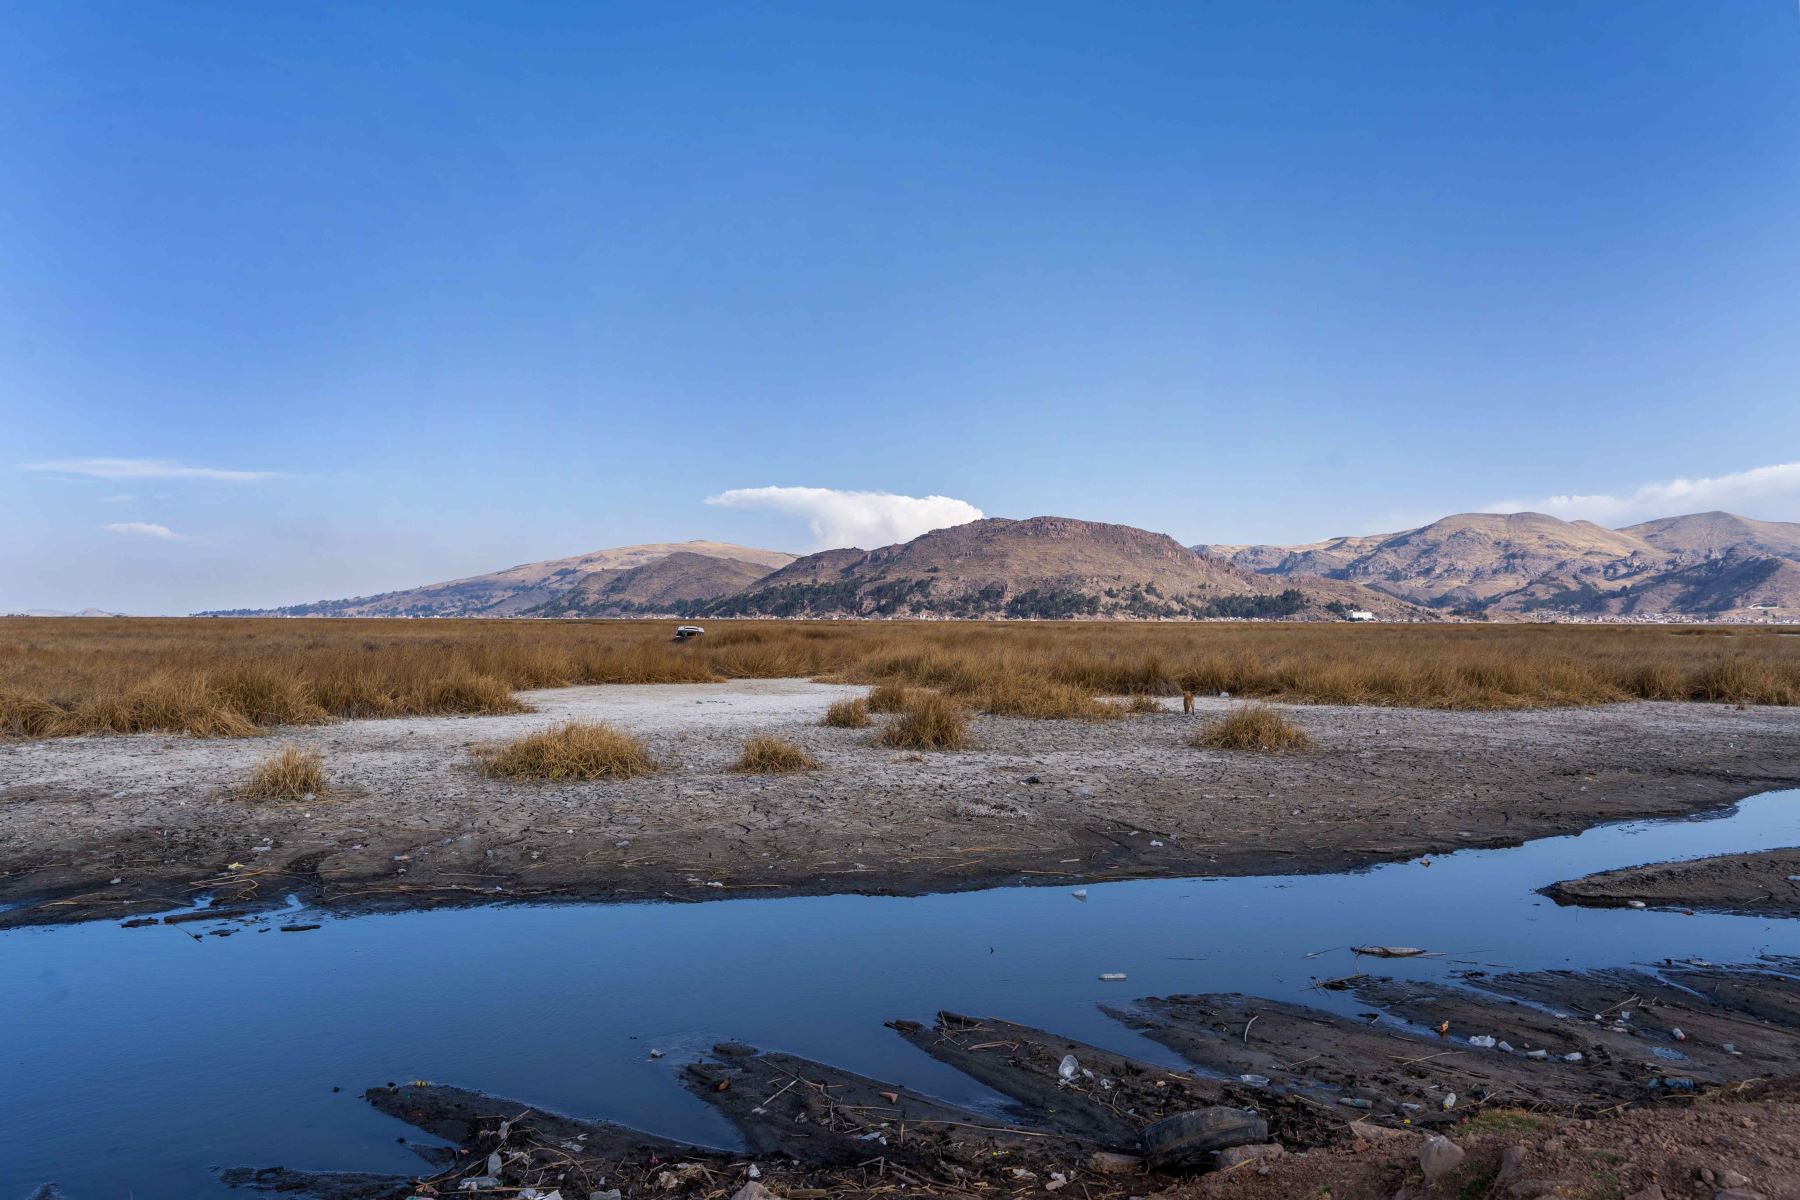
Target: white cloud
[(143, 529), (1768, 493), (866, 519), (144, 468)]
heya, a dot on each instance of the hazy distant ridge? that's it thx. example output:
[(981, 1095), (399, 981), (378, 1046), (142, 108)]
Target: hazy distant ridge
[(1530, 564)]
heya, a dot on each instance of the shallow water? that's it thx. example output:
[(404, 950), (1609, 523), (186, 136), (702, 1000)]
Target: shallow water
[(139, 1061)]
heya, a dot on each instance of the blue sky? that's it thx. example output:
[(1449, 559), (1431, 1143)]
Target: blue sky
[(457, 286)]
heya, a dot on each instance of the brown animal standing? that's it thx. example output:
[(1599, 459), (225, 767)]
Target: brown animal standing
[(1187, 702)]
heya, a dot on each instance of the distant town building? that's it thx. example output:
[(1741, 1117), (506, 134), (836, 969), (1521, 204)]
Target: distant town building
[(1359, 614)]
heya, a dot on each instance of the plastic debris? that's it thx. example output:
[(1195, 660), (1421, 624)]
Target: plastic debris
[(1540, 1054), (1504, 1047), (1254, 1080), (1057, 1182), (1439, 1156), (1069, 1067), (1677, 1034), (1635, 904), (656, 1053), (1355, 1102), (1730, 1048), (1079, 893), (1113, 977), (1449, 1101), (1572, 1056), (1483, 1041)]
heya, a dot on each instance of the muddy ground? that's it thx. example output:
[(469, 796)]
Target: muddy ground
[(119, 826), (1763, 884), (1601, 1085)]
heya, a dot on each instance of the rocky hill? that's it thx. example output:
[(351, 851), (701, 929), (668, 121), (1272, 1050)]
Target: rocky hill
[(1045, 567), (1701, 534), (1533, 565), (516, 590), (672, 586)]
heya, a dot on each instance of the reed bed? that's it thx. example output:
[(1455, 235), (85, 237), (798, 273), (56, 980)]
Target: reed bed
[(237, 677)]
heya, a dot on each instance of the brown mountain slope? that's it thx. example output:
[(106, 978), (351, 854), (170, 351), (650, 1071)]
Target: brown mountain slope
[(1465, 561), (1701, 534), (516, 589), (1045, 567), (1535, 565), (1737, 582), (674, 585)]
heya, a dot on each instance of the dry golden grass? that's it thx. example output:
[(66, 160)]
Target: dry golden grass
[(848, 714), (888, 698), (571, 752), (232, 677), (1045, 700), (766, 755), (1253, 727), (1140, 704), (929, 721), (289, 774)]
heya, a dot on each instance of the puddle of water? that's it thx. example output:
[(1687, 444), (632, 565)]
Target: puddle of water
[(138, 1061)]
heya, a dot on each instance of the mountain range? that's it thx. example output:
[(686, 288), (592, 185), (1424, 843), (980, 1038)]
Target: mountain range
[(1472, 565), (623, 577), (1531, 565)]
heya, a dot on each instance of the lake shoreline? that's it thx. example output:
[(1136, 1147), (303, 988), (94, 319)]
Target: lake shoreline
[(120, 827)]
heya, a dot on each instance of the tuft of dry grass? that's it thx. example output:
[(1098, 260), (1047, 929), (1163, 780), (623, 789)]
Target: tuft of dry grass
[(1140, 704), (27, 716), (888, 698), (929, 721), (234, 677), (768, 755), (848, 714), (575, 751), (289, 774), (1253, 727), (1045, 700)]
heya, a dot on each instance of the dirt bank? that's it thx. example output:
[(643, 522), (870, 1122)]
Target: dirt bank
[(1764, 884), (119, 826)]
